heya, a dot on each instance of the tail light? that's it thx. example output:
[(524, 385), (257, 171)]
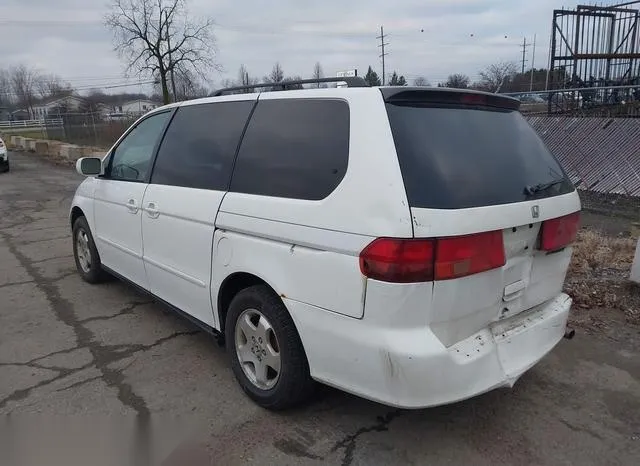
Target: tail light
[(398, 260), (466, 255), (1, 143), (558, 233), (423, 260)]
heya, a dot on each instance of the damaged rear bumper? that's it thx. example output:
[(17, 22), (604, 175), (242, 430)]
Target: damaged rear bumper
[(411, 368)]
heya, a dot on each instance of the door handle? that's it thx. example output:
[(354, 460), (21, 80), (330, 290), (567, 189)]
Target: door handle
[(152, 210), (132, 206)]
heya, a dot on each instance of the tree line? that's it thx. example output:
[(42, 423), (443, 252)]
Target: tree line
[(504, 77), (22, 86)]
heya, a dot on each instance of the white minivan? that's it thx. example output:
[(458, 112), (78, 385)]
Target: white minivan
[(407, 245)]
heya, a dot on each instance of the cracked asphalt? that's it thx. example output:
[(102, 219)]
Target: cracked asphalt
[(108, 357)]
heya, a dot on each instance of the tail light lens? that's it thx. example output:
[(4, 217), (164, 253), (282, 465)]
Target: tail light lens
[(398, 260), (423, 260), (558, 233), (466, 255)]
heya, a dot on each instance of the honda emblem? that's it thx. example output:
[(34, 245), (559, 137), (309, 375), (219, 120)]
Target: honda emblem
[(535, 211)]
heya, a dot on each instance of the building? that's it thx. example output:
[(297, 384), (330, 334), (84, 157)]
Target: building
[(56, 105), (136, 107), (103, 111), (20, 114)]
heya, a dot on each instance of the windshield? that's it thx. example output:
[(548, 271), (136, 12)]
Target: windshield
[(455, 157)]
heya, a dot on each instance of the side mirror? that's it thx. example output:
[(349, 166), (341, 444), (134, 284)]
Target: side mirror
[(89, 166)]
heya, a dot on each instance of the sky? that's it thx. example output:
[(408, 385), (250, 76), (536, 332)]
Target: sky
[(428, 38)]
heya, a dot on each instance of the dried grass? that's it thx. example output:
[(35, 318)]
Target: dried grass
[(594, 251), (598, 275)]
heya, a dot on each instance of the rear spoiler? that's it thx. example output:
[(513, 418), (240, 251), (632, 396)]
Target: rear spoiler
[(445, 96)]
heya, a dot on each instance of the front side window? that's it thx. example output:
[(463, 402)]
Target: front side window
[(131, 159)]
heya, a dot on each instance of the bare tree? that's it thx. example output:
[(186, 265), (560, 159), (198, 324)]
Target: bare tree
[(5, 88), (228, 83), (421, 81), (51, 85), (494, 77), (318, 73), (187, 86), (457, 81), (276, 75), (292, 86), (243, 76), (23, 82), (245, 80), (158, 37)]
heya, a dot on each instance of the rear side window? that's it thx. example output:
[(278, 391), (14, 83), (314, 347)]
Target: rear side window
[(455, 157), (295, 148), (200, 144)]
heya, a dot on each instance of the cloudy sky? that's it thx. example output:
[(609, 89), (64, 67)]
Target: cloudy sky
[(430, 38)]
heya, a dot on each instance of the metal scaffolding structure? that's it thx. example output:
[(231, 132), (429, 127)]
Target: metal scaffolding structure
[(595, 46)]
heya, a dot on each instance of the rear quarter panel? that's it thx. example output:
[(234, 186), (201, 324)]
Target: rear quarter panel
[(300, 263)]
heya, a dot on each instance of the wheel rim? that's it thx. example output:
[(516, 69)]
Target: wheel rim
[(257, 349), (82, 251)]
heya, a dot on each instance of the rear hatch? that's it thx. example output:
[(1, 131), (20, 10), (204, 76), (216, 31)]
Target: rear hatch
[(495, 204)]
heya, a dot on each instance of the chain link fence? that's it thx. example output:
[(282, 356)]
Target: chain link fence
[(596, 101), (89, 129)]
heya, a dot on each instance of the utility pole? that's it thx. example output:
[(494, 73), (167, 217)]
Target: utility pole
[(524, 53), (383, 54), (533, 63)]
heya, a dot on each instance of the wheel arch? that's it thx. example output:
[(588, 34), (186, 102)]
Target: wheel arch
[(231, 286), (76, 213)]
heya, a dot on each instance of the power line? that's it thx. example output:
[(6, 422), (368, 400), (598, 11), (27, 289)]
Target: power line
[(48, 22), (383, 54), (115, 86)]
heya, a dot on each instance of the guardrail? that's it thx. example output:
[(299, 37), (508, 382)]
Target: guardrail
[(42, 123)]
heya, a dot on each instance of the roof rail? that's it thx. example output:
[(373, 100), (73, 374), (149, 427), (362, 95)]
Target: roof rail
[(351, 81)]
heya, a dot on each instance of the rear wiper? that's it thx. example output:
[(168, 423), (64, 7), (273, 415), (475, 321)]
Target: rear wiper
[(531, 190)]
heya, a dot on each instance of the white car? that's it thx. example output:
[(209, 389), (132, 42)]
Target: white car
[(407, 245), (4, 157)]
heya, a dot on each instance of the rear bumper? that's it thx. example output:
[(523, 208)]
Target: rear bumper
[(410, 368)]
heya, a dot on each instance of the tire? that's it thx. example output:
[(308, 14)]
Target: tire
[(293, 384), (91, 271)]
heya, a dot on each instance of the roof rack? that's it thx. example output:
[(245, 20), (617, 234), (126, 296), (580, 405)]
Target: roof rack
[(351, 81)]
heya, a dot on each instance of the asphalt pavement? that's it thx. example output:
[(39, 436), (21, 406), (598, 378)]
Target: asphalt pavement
[(104, 375)]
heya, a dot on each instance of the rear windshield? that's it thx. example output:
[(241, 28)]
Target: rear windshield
[(460, 157)]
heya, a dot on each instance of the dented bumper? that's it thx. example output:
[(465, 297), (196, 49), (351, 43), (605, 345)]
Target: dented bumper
[(411, 368)]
